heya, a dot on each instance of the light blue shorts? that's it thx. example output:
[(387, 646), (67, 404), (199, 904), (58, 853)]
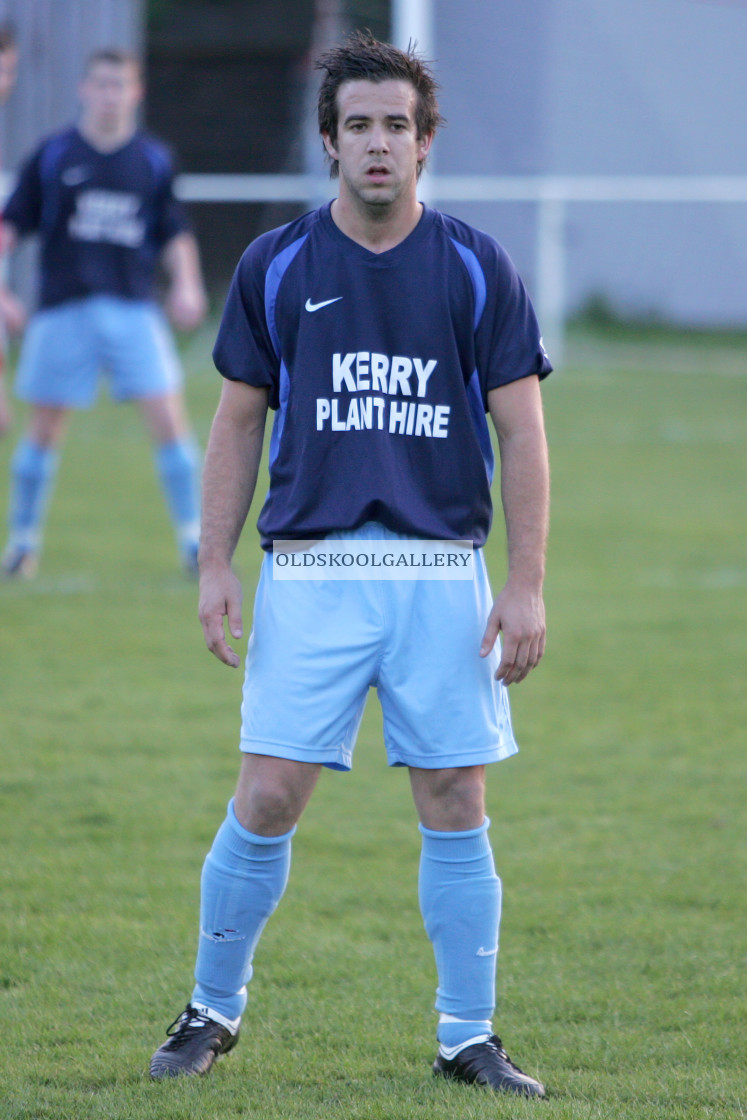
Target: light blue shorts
[(67, 347), (317, 647)]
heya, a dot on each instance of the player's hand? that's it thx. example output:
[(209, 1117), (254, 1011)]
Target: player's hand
[(519, 614), (220, 597), (186, 305), (12, 311)]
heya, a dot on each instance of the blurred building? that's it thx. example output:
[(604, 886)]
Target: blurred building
[(226, 86), (590, 87), (530, 87), (231, 84)]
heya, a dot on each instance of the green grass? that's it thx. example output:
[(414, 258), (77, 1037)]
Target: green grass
[(617, 830)]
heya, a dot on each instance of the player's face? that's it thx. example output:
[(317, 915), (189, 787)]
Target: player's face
[(377, 145), (110, 94), (8, 73)]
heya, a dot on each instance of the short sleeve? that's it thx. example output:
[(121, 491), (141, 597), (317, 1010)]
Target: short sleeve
[(24, 207), (243, 349), (171, 217), (507, 339)]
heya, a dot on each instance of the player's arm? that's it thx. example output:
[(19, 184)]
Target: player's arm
[(13, 315), (186, 301), (8, 237), (518, 611), (22, 215), (12, 310), (229, 479)]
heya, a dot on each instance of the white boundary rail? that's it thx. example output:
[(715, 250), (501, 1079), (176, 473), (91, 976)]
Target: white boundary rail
[(551, 193)]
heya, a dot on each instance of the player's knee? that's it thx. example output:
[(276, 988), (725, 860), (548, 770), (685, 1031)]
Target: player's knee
[(451, 800), (47, 426), (269, 806)]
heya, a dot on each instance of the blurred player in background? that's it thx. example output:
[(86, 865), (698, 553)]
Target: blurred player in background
[(382, 332), (100, 195), (11, 313)]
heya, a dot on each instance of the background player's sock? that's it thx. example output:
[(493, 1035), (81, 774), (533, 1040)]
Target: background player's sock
[(460, 900), (178, 466), (243, 880), (33, 471)]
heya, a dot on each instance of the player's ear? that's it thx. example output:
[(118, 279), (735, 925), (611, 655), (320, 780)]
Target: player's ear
[(329, 147), (424, 145), (139, 82)]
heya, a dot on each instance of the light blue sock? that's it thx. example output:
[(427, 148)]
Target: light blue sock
[(460, 900), (178, 466), (33, 471), (243, 880)]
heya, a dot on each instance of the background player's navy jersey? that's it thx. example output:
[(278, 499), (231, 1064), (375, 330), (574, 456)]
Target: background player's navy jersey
[(379, 366), (103, 217)]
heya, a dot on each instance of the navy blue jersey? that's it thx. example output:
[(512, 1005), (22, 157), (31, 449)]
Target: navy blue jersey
[(379, 366), (103, 217)]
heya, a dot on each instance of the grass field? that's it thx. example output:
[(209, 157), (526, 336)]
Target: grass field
[(617, 830)]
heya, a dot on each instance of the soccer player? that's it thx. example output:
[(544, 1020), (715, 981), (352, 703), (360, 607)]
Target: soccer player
[(372, 298), (11, 313), (100, 195)]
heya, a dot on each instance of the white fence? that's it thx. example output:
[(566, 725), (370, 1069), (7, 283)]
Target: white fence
[(551, 193)]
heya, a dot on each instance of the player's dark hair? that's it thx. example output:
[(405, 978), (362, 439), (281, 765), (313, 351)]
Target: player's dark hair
[(8, 39), (362, 58), (113, 55)]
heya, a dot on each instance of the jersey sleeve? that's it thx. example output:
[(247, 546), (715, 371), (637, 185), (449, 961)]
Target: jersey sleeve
[(24, 207), (170, 216), (243, 349), (507, 339)]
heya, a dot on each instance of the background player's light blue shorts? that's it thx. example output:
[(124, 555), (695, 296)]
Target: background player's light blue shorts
[(67, 347), (317, 647)]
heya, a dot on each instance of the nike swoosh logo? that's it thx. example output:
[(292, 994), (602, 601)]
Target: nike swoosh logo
[(486, 952), (74, 176), (325, 303)]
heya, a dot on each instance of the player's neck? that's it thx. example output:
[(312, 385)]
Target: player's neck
[(106, 137), (376, 228)]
